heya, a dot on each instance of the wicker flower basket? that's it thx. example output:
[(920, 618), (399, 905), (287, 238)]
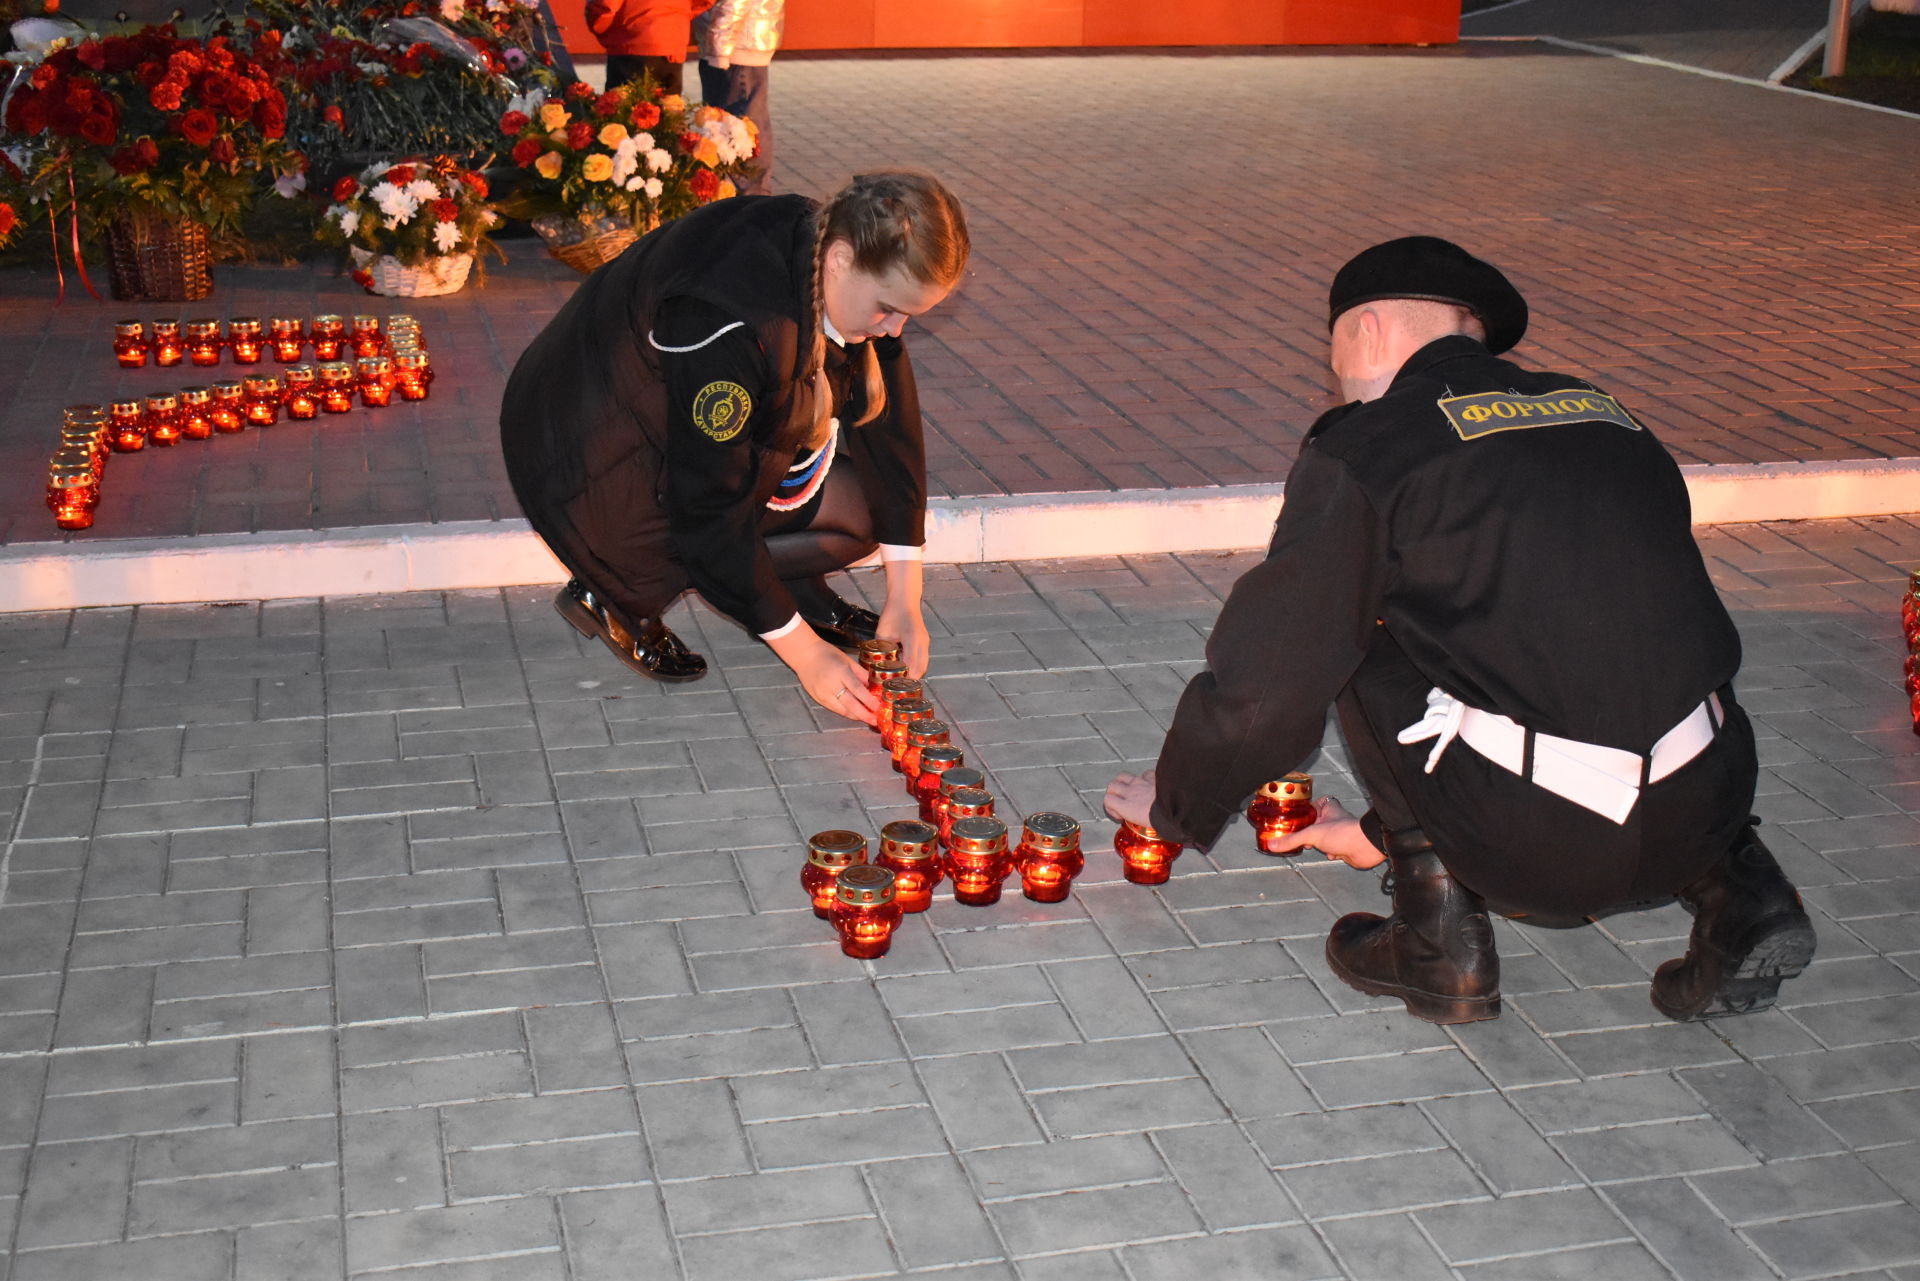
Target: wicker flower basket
[(387, 275), (585, 244), (154, 258)]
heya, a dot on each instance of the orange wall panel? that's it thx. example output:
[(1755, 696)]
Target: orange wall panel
[(976, 24), (830, 24), (571, 15)]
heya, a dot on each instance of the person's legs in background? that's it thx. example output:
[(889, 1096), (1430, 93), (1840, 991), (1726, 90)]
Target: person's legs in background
[(624, 67)]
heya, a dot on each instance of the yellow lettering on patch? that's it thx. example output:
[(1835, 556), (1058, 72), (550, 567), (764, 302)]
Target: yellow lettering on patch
[(1487, 412), (721, 410)]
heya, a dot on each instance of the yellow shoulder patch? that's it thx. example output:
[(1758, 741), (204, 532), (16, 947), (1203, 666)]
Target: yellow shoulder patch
[(721, 410), (1487, 412)]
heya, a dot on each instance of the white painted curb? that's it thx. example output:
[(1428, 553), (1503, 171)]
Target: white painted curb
[(482, 554)]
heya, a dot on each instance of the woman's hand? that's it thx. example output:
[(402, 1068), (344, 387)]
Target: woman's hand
[(901, 619), (1130, 799), (1336, 833), (830, 678)]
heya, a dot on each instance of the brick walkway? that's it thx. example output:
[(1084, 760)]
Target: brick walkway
[(408, 937), (1154, 238), (1750, 38)]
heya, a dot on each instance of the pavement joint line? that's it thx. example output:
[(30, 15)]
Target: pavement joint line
[(1581, 46)]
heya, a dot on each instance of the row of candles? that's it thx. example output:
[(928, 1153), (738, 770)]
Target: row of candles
[(959, 838), (247, 341), (398, 363), (1910, 627)]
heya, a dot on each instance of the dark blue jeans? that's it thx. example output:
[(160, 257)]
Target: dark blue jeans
[(743, 92)]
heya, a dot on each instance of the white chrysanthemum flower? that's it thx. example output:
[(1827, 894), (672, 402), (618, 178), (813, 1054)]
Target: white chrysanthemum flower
[(642, 141), (375, 169), (349, 221), (423, 191), (445, 236), (654, 188), (289, 185), (659, 161), (397, 204), (634, 183), (528, 103), (391, 224), (626, 160)]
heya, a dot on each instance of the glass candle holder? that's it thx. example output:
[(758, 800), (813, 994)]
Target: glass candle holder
[(934, 763), (911, 851), (196, 412), (977, 861), (892, 690), (87, 443), (880, 671), (375, 374), (329, 337), (203, 342), (921, 734), (303, 391), (264, 396), (865, 910), (229, 407), (950, 782), (1282, 806), (130, 345), (286, 335), (962, 803), (367, 338), (402, 322), (412, 375), (1049, 856), (127, 431), (163, 419), (169, 348), (246, 340), (829, 854), (336, 386), (905, 712), (72, 490), (1146, 856), (869, 652)]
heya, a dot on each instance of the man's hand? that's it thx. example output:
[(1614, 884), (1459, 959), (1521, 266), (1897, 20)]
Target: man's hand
[(1336, 833), (1130, 799)]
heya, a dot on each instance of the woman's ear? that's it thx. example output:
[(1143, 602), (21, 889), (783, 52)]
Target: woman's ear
[(840, 257)]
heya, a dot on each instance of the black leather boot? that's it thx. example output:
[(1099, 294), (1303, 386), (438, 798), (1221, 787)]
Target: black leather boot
[(651, 649), (1435, 952), (1749, 933)]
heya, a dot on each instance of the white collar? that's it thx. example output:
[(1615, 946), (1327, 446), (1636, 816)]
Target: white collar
[(833, 335)]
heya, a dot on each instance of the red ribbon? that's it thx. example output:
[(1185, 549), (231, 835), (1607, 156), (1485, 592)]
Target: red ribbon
[(53, 229)]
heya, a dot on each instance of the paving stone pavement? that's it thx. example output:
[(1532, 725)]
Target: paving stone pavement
[(1154, 236), (409, 937), (1748, 39)]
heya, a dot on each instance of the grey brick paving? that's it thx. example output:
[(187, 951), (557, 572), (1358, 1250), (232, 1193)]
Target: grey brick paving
[(571, 1020)]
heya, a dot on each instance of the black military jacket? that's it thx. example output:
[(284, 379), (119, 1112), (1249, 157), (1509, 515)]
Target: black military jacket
[(1524, 543), (644, 488)]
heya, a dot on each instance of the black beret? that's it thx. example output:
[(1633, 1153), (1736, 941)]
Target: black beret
[(1436, 270)]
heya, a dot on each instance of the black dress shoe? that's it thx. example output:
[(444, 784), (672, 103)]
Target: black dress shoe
[(1750, 934), (843, 623), (653, 650)]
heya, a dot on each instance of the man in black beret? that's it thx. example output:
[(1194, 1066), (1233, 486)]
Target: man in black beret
[(1490, 574)]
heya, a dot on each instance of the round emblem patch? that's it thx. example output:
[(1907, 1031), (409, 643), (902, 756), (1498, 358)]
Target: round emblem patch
[(721, 409)]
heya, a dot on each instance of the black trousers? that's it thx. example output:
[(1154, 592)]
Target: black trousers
[(1524, 849)]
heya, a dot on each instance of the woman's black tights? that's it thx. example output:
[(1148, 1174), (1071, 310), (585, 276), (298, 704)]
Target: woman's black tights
[(831, 532)]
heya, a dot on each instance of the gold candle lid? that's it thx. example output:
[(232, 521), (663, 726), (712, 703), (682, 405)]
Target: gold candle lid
[(164, 402), (127, 408), (71, 460), (1293, 787), (1051, 831), (836, 848), (871, 651), (909, 710), (328, 324), (980, 835), (166, 329), (262, 384), (335, 371), (195, 397), (926, 732), (969, 798), (366, 324), (941, 758), (378, 366), (302, 375), (413, 361), (243, 327), (284, 326), (227, 390), (960, 776), (203, 328), (864, 885), (88, 414), (895, 688), (888, 668), (402, 320), (909, 840), (128, 328)]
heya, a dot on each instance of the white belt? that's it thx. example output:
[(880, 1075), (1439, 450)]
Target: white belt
[(1605, 780)]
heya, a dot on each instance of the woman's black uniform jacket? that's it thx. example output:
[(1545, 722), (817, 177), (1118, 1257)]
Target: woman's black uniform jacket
[(1515, 535), (634, 495)]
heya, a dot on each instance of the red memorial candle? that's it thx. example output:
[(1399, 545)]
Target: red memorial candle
[(865, 910), (904, 713), (127, 430), (829, 854), (286, 335), (977, 861), (203, 342), (245, 339), (169, 348), (336, 387), (196, 412), (1147, 857), (413, 375), (329, 337), (963, 802), (229, 407), (264, 397), (164, 426), (1049, 856), (934, 763), (72, 489), (921, 734), (303, 391), (375, 375), (911, 851), (130, 345), (1280, 807), (367, 338)]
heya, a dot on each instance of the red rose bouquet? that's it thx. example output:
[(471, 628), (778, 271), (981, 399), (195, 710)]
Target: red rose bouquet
[(627, 159), (191, 129)]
